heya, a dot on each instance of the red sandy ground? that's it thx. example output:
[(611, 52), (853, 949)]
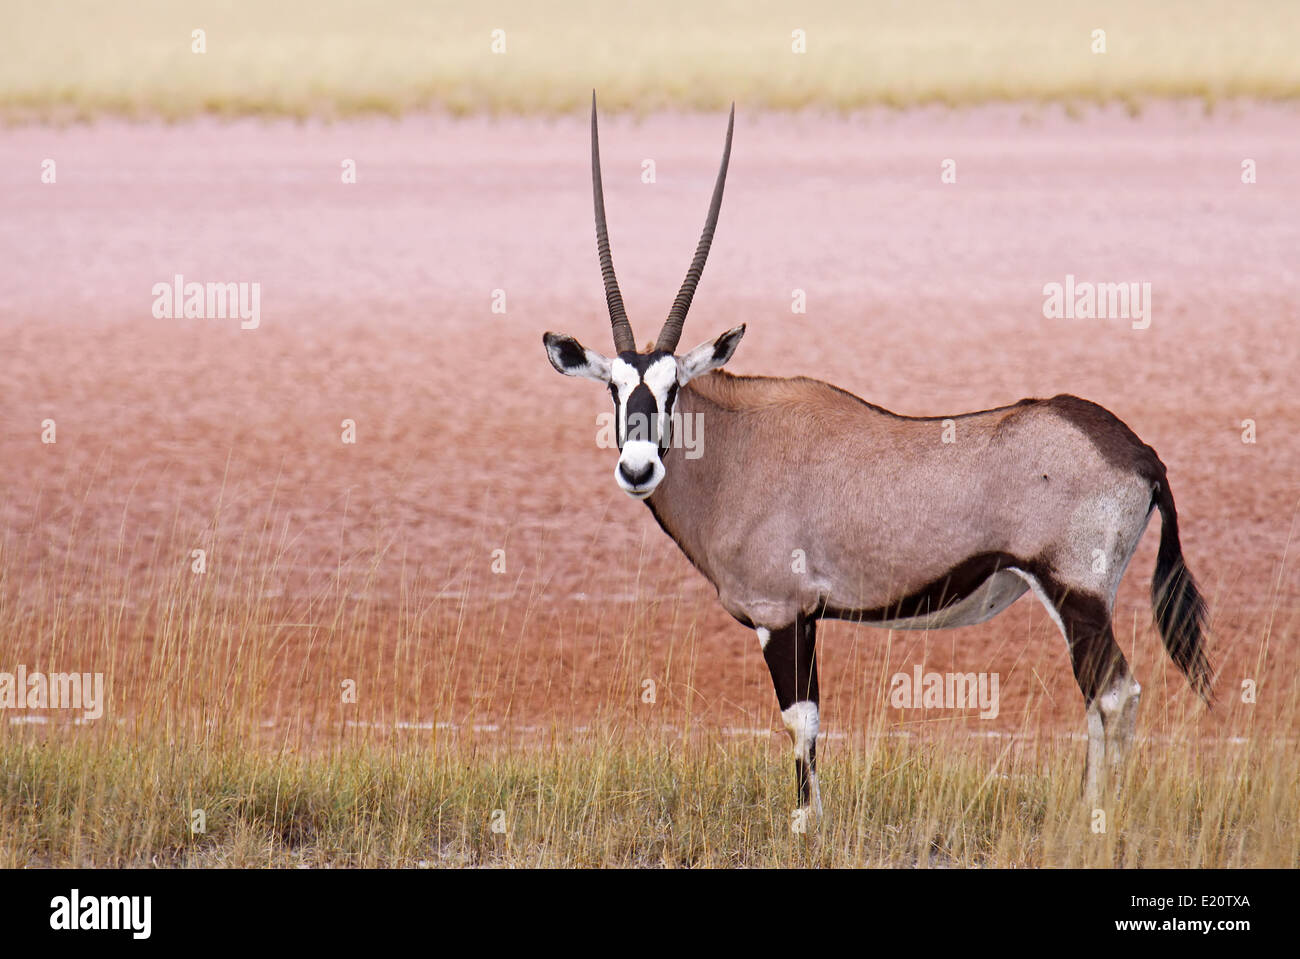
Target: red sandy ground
[(923, 297)]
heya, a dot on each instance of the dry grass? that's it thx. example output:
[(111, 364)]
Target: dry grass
[(198, 718), (127, 799), (78, 59)]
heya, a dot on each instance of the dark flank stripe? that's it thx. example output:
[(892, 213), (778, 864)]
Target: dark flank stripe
[(945, 591)]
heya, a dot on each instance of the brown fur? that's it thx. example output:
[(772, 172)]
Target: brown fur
[(881, 507)]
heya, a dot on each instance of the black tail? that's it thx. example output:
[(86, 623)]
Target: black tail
[(1180, 610)]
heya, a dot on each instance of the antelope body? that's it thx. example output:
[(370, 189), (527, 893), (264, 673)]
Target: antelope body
[(810, 503)]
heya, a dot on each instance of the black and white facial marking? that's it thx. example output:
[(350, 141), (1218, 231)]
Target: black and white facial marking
[(644, 387)]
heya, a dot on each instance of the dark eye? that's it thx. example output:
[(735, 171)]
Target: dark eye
[(614, 393), (672, 397)]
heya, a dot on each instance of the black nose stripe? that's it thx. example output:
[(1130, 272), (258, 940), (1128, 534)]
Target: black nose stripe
[(642, 415)]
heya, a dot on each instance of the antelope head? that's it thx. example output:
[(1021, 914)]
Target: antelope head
[(644, 386)]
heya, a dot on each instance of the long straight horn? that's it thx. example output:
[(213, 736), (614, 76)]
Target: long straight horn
[(624, 341), (672, 331)]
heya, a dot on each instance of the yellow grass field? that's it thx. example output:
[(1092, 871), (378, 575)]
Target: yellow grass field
[(613, 802), (200, 760), (78, 58)]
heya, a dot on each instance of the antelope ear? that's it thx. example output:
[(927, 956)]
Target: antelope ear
[(573, 359), (709, 356)]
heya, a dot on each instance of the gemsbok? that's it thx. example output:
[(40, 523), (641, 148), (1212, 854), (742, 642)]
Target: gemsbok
[(897, 529)]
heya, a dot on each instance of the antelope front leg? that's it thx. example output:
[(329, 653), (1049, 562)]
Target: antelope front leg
[(791, 659)]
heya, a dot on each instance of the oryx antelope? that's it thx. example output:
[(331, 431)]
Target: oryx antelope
[(896, 528)]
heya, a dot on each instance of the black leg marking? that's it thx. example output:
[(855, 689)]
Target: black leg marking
[(1094, 654), (1107, 684), (791, 657)]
